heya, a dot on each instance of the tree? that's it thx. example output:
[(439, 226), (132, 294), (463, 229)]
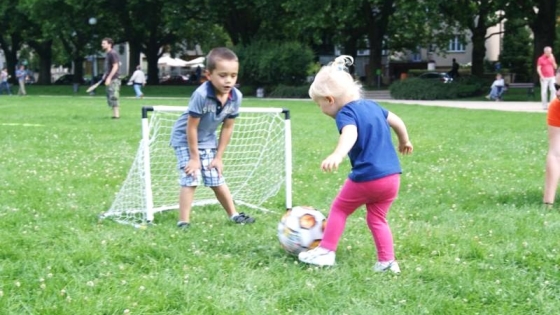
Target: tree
[(517, 50), (541, 18), (163, 23), (12, 22), (477, 17)]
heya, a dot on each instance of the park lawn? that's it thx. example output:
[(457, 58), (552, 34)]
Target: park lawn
[(469, 229)]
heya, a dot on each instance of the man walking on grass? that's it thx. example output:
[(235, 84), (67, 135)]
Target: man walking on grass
[(546, 67), (111, 76)]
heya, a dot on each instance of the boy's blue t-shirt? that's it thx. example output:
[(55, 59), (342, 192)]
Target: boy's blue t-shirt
[(204, 105), (373, 156)]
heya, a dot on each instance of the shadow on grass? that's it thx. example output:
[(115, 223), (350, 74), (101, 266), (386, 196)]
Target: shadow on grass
[(529, 198)]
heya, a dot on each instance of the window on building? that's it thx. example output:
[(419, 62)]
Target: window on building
[(455, 45)]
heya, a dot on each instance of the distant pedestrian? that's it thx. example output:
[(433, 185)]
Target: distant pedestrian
[(546, 68), (454, 73), (21, 74), (4, 85), (111, 76), (138, 80)]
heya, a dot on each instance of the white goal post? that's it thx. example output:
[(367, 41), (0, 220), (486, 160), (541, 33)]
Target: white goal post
[(257, 164)]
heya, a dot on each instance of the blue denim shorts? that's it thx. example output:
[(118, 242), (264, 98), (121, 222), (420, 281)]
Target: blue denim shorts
[(210, 177)]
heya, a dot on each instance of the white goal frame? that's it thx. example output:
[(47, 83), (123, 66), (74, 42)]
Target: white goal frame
[(141, 170)]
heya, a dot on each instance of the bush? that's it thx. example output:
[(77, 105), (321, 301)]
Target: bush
[(284, 91), (266, 63), (423, 89)]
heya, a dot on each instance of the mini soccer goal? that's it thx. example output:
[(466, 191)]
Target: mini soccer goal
[(257, 164)]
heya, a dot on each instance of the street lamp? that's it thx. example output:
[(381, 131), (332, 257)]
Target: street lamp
[(92, 21)]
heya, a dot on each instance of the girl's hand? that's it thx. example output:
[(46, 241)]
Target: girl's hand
[(405, 148), (331, 162)]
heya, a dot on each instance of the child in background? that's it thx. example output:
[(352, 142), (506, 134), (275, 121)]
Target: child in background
[(497, 88), (365, 136), (199, 154), (138, 80)]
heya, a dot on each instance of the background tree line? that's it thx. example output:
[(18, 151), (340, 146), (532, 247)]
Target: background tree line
[(58, 31)]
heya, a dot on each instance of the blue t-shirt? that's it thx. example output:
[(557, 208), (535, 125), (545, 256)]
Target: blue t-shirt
[(373, 156), (204, 105)]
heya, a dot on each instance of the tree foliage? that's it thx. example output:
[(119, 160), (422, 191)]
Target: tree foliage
[(153, 27)]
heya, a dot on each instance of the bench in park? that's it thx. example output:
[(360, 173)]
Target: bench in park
[(529, 86)]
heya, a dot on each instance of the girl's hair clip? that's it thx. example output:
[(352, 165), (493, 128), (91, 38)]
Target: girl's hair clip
[(343, 62)]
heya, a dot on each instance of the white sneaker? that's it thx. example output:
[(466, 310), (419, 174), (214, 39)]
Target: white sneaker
[(318, 256), (392, 266)]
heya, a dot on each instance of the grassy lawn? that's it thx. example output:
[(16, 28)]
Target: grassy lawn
[(470, 233)]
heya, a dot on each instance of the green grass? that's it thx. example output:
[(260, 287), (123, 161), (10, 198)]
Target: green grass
[(149, 90), (470, 233)]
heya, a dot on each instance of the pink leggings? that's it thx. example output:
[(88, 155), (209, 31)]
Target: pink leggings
[(377, 195)]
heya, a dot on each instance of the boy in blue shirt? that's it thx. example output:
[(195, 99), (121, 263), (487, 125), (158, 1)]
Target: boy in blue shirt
[(199, 153)]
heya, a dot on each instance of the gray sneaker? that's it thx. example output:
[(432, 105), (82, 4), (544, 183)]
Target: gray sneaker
[(183, 225), (242, 218)]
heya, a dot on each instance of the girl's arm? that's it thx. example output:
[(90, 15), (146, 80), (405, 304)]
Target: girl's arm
[(396, 123), (346, 141)]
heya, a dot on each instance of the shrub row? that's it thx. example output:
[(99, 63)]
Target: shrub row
[(425, 89)]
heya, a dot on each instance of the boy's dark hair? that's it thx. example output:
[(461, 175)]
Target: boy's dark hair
[(109, 41), (217, 54)]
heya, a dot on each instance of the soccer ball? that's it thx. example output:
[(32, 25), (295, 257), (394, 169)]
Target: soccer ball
[(301, 229)]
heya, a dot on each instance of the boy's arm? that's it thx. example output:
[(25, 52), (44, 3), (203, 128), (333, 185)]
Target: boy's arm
[(225, 137), (396, 123), (192, 137)]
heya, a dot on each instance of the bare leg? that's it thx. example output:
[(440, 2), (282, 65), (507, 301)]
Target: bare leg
[(116, 112), (186, 197), (552, 165), (224, 197)]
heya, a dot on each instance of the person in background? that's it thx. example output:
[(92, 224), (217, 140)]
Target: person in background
[(496, 89), (4, 85), (199, 153), (454, 73), (21, 74), (111, 76), (546, 68), (138, 80), (374, 180)]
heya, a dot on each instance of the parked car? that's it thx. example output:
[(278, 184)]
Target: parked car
[(68, 79), (442, 76), (175, 80)]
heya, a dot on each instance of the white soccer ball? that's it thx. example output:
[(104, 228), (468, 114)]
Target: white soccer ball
[(301, 229)]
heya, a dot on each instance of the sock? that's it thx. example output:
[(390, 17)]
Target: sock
[(181, 223), (234, 215)]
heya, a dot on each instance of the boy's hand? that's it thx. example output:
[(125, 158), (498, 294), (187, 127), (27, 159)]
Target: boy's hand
[(331, 163), (405, 148), (218, 165), (192, 167)]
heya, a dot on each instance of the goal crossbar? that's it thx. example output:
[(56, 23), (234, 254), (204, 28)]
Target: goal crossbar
[(257, 164)]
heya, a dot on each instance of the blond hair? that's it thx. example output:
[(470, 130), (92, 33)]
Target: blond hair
[(334, 80)]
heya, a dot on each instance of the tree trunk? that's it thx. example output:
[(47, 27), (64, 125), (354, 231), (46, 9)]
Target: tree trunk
[(44, 51), (478, 51), (378, 17), (78, 69), (135, 50), (10, 49), (152, 54), (544, 31)]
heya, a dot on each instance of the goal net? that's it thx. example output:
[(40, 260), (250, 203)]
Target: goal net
[(257, 164)]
